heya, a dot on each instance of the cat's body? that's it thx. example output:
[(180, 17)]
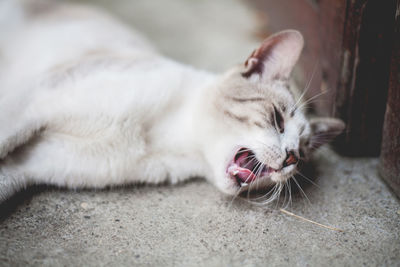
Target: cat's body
[(84, 102)]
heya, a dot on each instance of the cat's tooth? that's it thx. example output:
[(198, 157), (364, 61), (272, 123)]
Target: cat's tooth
[(243, 184), (235, 172)]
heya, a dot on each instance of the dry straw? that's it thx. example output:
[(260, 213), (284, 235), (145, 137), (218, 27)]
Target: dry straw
[(310, 221)]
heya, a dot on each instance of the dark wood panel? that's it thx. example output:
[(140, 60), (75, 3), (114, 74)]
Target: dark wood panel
[(390, 153), (362, 90)]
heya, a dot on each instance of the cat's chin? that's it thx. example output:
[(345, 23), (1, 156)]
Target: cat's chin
[(284, 174)]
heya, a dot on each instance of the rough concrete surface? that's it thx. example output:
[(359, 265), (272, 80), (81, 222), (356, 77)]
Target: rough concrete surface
[(193, 224)]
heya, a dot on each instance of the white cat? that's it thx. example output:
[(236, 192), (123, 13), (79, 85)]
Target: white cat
[(85, 102)]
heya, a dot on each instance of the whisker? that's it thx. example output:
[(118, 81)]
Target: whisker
[(308, 179), (290, 191), (287, 188), (273, 197), (252, 159), (284, 200), (268, 197), (311, 98), (279, 194), (301, 190), (258, 170), (307, 87), (257, 167), (258, 174)]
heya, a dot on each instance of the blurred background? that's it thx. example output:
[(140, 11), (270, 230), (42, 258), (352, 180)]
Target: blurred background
[(212, 35)]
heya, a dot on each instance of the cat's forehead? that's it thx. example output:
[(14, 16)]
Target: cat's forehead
[(275, 91)]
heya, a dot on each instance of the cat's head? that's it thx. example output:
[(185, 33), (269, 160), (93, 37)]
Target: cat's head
[(260, 132)]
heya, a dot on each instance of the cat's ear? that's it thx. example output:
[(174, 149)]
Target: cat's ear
[(276, 56), (324, 130)]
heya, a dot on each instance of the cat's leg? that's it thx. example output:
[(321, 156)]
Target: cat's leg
[(69, 161), (40, 162), (97, 161)]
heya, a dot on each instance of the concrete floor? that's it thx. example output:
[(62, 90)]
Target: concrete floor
[(193, 224)]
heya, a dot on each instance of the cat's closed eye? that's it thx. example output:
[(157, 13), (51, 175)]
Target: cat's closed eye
[(279, 121)]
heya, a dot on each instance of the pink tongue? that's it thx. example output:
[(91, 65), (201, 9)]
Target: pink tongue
[(245, 175)]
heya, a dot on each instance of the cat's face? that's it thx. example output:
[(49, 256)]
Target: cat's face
[(260, 129)]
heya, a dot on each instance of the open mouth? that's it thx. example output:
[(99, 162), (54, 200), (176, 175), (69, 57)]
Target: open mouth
[(245, 168)]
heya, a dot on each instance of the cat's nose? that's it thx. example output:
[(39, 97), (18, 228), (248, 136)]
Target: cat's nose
[(291, 158)]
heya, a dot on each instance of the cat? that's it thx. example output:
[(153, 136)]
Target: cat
[(86, 102)]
